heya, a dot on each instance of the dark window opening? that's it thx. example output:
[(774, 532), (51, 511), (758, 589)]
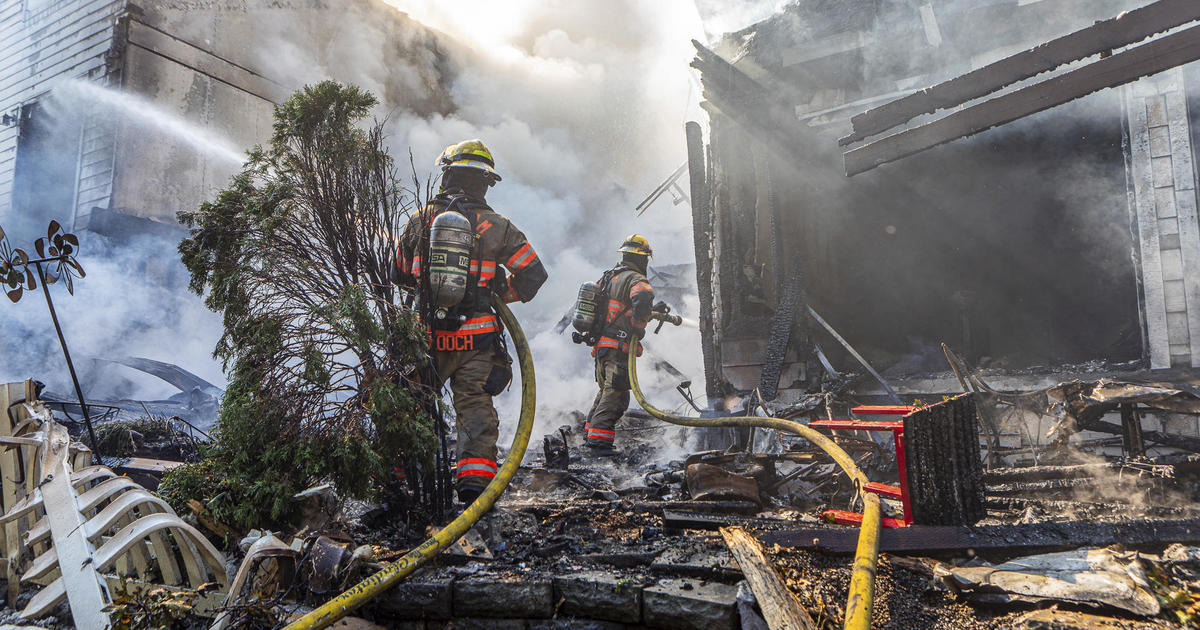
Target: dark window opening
[(45, 170)]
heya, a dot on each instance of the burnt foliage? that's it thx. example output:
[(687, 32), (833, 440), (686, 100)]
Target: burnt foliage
[(296, 254)]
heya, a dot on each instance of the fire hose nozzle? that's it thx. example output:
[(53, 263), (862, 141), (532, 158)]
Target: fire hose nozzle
[(665, 317)]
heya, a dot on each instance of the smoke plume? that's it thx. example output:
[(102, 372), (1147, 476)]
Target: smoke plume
[(583, 105)]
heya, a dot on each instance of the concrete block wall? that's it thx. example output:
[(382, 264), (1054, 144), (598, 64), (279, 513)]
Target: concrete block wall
[(598, 600), (1165, 201)]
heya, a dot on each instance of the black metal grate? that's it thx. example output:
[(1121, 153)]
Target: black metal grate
[(945, 472)]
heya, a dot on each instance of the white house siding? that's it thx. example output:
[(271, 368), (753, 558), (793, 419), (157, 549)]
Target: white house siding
[(44, 41)]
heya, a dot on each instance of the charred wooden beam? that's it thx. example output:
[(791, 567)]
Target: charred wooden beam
[(1015, 539), (1124, 67), (701, 239), (1064, 506), (1109, 487), (779, 606), (790, 302), (1175, 440), (1125, 29), (1031, 473), (1132, 439), (709, 521), (750, 104)]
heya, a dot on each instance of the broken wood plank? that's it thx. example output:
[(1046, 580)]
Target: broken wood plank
[(470, 545), (146, 471), (1124, 67), (10, 546), (1128, 28), (1054, 619), (779, 606), (73, 551), (1076, 471), (149, 465), (1014, 539), (683, 519), (210, 522)]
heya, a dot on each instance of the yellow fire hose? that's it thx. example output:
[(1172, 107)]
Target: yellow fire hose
[(368, 589), (862, 580)]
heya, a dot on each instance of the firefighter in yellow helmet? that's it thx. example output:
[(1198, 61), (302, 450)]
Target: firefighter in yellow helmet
[(467, 339), (630, 297)]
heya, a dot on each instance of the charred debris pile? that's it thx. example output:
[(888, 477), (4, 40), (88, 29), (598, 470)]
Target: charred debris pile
[(977, 536)]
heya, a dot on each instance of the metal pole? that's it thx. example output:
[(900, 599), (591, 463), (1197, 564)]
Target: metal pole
[(854, 353), (87, 419)]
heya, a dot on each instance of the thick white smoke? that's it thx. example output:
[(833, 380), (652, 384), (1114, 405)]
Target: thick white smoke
[(133, 301), (583, 105)]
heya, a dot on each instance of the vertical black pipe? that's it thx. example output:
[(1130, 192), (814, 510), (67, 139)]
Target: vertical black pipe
[(87, 419)]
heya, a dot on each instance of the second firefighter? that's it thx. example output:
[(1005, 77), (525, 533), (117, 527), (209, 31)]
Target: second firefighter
[(630, 298)]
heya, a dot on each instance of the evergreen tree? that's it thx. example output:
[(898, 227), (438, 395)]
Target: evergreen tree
[(297, 253)]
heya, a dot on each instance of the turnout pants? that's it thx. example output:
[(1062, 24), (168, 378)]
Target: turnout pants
[(612, 377), (478, 425)]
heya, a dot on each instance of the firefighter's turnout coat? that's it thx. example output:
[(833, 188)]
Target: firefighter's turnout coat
[(469, 354)]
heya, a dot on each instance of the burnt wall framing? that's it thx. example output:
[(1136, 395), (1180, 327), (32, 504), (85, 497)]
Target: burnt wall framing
[(891, 255)]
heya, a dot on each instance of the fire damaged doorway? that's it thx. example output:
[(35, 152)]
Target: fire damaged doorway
[(1013, 247)]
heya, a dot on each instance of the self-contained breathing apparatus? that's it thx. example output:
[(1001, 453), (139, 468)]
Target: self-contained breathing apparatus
[(589, 317), (450, 241), (453, 292)]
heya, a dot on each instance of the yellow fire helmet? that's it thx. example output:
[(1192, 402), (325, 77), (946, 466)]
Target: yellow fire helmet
[(471, 154), (636, 244)]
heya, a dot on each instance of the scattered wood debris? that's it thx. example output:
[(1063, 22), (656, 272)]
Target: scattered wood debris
[(779, 607)]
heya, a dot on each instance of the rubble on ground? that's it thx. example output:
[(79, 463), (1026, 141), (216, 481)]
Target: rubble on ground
[(587, 541)]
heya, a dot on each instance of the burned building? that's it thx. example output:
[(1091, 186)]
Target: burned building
[(1061, 244), (117, 115)]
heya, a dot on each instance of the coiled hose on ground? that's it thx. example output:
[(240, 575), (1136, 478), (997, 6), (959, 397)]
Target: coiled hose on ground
[(862, 580), (368, 589)]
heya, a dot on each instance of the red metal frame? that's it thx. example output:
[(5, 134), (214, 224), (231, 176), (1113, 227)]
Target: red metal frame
[(882, 410), (842, 517), (883, 489), (894, 492)]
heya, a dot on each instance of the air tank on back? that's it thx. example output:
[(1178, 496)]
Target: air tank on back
[(450, 239), (587, 307)]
